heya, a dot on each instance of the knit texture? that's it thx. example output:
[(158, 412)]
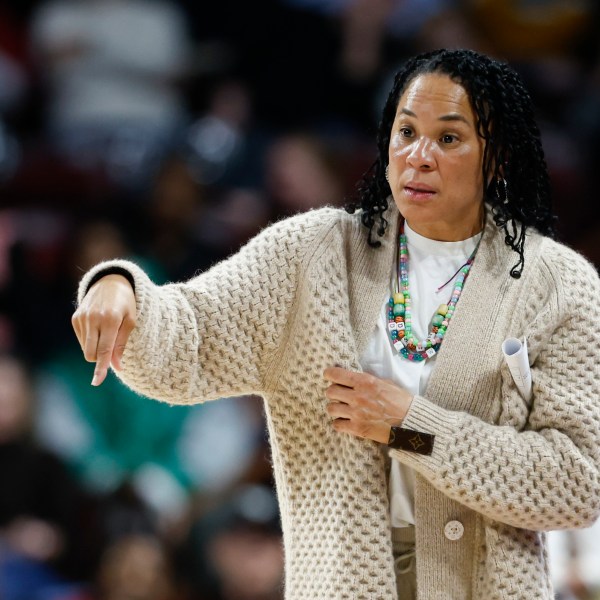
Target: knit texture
[(304, 295)]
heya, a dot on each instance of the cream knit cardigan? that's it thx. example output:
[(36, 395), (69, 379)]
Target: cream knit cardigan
[(305, 294)]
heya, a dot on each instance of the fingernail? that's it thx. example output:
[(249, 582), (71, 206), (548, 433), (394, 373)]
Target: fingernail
[(95, 380)]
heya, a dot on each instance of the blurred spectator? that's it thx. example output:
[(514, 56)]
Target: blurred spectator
[(165, 233), (7, 232), (14, 70), (137, 567), (232, 219), (32, 248), (302, 172), (111, 438), (14, 84), (235, 552), (41, 552), (546, 39), (112, 70), (224, 163), (526, 29), (582, 119), (368, 26), (224, 145), (369, 38), (574, 559), (451, 27)]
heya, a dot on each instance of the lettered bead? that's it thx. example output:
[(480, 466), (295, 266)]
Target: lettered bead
[(392, 326)]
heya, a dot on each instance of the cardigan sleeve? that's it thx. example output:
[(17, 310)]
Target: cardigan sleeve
[(545, 475), (217, 334)]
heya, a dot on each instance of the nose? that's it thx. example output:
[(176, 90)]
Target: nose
[(421, 154)]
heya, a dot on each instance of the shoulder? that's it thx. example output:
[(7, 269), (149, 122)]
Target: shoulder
[(330, 215), (308, 228), (574, 277), (569, 265)]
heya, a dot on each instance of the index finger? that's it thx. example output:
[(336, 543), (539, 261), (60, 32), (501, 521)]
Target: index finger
[(106, 345), (342, 376)]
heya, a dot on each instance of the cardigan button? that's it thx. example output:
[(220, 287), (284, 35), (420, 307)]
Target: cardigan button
[(454, 530)]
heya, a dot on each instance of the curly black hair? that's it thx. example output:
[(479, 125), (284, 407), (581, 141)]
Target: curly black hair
[(518, 192)]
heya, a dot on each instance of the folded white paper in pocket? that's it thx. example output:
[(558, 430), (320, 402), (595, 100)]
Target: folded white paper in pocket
[(515, 355)]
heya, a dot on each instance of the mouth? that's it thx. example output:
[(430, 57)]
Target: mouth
[(419, 192)]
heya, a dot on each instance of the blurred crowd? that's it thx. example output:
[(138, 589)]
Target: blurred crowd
[(170, 132)]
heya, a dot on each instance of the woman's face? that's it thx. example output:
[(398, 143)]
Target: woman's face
[(435, 159)]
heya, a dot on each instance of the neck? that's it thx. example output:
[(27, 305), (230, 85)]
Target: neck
[(446, 232)]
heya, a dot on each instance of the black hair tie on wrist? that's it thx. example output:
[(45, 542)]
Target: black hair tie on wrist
[(111, 271)]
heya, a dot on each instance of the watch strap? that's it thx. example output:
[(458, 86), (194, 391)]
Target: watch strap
[(411, 441)]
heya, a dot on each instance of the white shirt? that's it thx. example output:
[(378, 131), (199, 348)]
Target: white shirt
[(430, 265)]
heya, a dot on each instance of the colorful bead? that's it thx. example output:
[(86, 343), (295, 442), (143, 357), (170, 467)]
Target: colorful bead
[(437, 320), (399, 311)]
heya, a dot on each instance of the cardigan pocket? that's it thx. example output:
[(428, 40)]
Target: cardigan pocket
[(515, 409)]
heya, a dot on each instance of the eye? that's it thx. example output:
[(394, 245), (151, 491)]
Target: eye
[(448, 138), (406, 132)]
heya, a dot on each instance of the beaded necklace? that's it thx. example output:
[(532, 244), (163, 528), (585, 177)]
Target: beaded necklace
[(399, 310)]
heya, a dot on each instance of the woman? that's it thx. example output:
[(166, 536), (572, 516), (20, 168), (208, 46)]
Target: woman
[(385, 427)]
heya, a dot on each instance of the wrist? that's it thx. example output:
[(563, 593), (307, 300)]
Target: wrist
[(123, 273), (410, 440)]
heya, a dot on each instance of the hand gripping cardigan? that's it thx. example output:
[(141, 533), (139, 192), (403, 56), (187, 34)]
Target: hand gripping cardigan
[(305, 294)]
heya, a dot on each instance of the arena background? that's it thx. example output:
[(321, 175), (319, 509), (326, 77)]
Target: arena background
[(170, 133)]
